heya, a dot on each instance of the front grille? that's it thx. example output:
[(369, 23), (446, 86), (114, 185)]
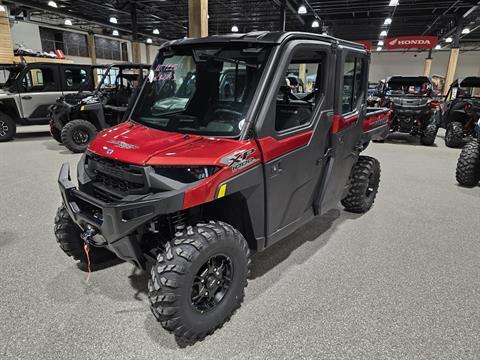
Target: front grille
[(112, 180)]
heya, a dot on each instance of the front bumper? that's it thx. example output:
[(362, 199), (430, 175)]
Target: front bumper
[(116, 222)]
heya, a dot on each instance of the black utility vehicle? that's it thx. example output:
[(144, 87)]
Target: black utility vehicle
[(197, 190), (31, 88), (461, 110), (75, 120), (414, 105)]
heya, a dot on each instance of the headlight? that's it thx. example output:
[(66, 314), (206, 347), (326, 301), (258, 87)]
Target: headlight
[(186, 174)]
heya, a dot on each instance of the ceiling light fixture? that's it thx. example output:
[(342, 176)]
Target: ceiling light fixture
[(68, 22), (438, 47), (234, 28), (3, 8), (156, 32), (52, 4), (466, 31), (315, 24), (387, 21), (448, 39), (379, 48), (302, 9), (380, 43), (113, 20), (149, 41), (115, 32), (393, 3), (383, 33)]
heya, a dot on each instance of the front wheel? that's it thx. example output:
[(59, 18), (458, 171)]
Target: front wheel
[(365, 179), (55, 132), (454, 135), (198, 281), (8, 128), (468, 165), (428, 136), (77, 134)]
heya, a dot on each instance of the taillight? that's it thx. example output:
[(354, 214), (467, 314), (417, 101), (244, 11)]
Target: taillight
[(435, 105)]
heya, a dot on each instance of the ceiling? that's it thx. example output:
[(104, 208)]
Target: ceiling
[(348, 19)]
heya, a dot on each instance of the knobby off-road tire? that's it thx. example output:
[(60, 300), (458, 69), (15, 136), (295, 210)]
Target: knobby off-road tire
[(429, 135), (175, 288), (365, 179), (468, 165), (77, 134), (8, 128), (68, 237), (55, 132), (454, 135)]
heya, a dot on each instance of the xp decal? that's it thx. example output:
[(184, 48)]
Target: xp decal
[(239, 159)]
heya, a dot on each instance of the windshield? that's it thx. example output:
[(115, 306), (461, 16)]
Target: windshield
[(409, 87), (467, 92), (204, 91)]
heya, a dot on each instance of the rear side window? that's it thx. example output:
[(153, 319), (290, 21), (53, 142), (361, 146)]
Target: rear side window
[(75, 78), (353, 89), (299, 91), (39, 80)]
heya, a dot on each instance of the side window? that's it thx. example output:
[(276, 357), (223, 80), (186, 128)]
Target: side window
[(75, 78), (299, 91), (353, 78), (39, 80)]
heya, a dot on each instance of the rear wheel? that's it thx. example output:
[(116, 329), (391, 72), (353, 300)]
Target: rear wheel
[(365, 180), (8, 128), (77, 134), (55, 132), (198, 281), (68, 237), (468, 165), (454, 135), (428, 137)]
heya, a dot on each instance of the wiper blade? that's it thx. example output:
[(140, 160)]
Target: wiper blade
[(233, 61)]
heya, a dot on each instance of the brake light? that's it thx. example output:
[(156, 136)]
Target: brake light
[(435, 105)]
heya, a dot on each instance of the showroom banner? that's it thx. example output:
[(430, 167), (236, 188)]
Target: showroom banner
[(410, 42), (366, 43)]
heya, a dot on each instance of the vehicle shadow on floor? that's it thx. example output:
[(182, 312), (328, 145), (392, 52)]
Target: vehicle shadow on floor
[(53, 145), (30, 136), (406, 139)]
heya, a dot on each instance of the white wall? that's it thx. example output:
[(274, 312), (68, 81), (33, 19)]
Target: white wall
[(26, 34), (385, 64)]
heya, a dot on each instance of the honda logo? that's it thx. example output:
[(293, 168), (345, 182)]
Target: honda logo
[(410, 42)]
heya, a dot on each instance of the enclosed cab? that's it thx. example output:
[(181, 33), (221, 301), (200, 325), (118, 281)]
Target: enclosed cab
[(414, 105), (223, 156), (31, 88), (460, 112)]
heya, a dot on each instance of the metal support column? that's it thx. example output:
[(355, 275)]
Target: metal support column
[(197, 18)]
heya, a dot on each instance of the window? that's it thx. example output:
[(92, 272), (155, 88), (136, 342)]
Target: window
[(108, 49), (205, 91), (299, 91), (353, 71), (74, 44), (75, 78), (39, 80)]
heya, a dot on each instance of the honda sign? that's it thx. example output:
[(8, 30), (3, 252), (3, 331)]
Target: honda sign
[(411, 42)]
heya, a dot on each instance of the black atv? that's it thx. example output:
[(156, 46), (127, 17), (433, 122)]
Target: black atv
[(76, 119), (461, 110), (412, 100)]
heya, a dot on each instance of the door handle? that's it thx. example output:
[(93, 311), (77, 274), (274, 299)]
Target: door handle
[(27, 97), (276, 168)]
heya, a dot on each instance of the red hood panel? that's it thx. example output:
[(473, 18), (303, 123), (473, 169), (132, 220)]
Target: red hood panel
[(137, 144)]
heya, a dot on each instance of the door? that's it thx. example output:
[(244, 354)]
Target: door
[(39, 88), (297, 125), (350, 109)]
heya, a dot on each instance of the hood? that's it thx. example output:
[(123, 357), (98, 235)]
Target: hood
[(137, 144)]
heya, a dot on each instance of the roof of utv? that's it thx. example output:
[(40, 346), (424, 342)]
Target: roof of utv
[(261, 37), (470, 81)]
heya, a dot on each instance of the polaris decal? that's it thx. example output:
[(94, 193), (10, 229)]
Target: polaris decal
[(123, 144), (239, 159)]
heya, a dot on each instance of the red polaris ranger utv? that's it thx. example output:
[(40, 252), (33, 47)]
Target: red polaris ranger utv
[(219, 159)]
